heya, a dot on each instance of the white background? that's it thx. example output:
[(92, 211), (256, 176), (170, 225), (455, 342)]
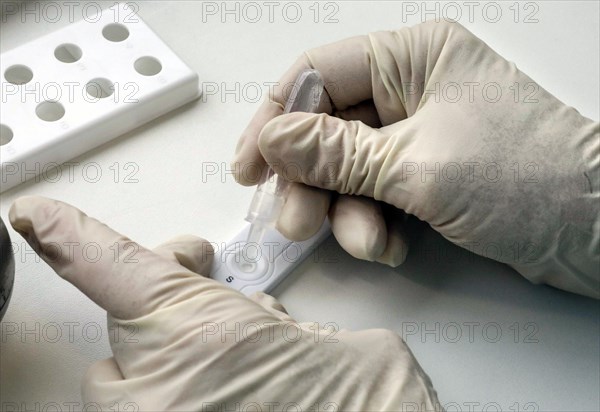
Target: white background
[(554, 363)]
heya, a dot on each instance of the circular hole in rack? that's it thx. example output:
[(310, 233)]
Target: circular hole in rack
[(6, 134), (18, 74), (115, 32), (147, 66), (100, 88), (50, 111), (68, 53)]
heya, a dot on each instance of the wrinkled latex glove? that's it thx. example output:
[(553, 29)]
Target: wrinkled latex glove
[(431, 120), (188, 343)]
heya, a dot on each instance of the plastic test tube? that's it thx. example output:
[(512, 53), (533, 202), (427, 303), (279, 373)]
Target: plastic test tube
[(272, 190)]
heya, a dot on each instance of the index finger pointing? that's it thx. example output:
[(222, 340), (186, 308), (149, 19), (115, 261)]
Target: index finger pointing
[(124, 278)]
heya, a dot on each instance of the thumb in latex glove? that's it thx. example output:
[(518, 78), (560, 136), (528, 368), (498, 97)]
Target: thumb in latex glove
[(202, 346), (430, 120)]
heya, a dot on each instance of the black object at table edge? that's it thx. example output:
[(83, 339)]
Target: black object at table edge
[(7, 269)]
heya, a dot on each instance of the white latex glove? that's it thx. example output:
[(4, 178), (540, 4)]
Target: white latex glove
[(503, 169), (200, 346)]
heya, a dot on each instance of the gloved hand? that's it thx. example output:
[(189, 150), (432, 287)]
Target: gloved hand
[(432, 121), (184, 342)]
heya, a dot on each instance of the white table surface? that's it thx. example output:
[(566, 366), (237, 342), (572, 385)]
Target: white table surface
[(553, 363)]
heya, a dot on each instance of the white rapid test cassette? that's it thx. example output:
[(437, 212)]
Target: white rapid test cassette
[(259, 267), (83, 85)]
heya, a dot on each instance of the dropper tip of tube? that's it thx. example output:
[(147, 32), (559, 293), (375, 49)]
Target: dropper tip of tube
[(255, 234)]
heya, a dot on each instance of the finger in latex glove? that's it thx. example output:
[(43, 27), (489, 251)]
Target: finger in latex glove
[(305, 209)]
